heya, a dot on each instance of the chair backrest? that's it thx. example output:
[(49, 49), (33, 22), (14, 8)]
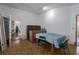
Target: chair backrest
[(65, 41), (64, 44), (61, 39)]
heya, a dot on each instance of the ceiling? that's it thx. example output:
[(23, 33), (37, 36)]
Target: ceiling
[(36, 7)]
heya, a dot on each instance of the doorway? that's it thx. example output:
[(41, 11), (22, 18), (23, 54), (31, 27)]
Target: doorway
[(77, 30), (16, 36)]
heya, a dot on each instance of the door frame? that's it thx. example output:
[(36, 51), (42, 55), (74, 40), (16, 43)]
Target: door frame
[(3, 37), (8, 28), (76, 31)]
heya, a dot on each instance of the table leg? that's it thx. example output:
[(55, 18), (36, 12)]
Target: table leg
[(38, 41)]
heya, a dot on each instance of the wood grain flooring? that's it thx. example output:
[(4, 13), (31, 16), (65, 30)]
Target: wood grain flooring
[(25, 47)]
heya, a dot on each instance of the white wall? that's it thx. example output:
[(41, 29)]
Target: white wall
[(25, 17), (57, 21)]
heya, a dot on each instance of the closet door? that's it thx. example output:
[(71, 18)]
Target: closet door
[(2, 34)]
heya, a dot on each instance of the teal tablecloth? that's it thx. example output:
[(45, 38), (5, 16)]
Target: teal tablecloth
[(52, 38)]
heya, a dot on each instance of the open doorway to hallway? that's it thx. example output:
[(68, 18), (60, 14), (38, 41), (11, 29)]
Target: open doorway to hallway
[(77, 30), (16, 35)]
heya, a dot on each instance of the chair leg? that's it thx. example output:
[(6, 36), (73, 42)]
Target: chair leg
[(68, 50), (38, 41), (64, 51)]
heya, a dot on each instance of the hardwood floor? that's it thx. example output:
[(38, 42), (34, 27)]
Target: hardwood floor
[(25, 47)]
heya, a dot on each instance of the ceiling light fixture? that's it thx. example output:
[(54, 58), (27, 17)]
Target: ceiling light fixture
[(45, 8)]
